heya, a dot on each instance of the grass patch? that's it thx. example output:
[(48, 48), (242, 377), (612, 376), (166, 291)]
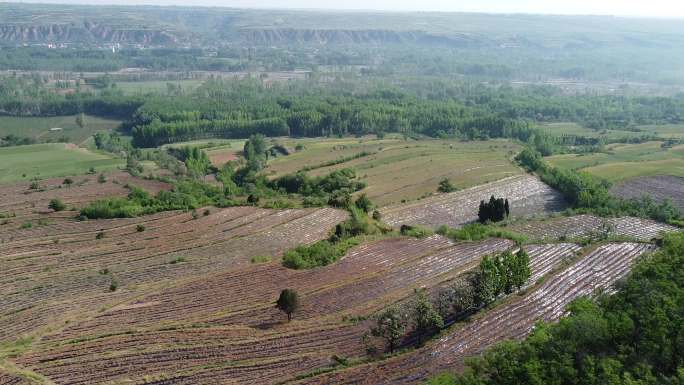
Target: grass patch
[(38, 128), (416, 231), (50, 160), (624, 161), (321, 253), (261, 259), (478, 232), (15, 348), (397, 170)]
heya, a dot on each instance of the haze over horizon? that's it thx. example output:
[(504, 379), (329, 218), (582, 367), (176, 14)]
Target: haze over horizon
[(631, 8)]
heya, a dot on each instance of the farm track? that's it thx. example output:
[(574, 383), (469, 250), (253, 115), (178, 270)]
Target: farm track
[(586, 225), (527, 195), (515, 319)]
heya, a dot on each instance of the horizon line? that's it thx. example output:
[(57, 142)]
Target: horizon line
[(349, 10)]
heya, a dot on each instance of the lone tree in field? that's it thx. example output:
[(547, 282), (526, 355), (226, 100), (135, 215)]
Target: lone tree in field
[(390, 326), (288, 302)]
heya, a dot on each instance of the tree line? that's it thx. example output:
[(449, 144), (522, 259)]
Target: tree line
[(632, 337), (428, 313), (587, 193)]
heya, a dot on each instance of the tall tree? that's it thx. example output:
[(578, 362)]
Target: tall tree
[(390, 326), (288, 302), (426, 320), (81, 120)]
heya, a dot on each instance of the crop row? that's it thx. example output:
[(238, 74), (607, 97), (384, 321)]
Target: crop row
[(527, 195), (659, 188), (181, 354), (76, 272), (598, 270), (589, 225), (233, 296)]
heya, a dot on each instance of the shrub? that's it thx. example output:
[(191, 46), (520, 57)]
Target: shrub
[(113, 286), (56, 205), (446, 186), (363, 203), (68, 182), (253, 199), (100, 235), (415, 231), (177, 260), (140, 228), (101, 178)]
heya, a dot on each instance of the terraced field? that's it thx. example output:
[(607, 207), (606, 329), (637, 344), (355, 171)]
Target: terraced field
[(580, 226), (21, 203), (397, 170), (528, 196), (597, 270), (190, 306), (52, 271), (228, 324), (659, 188)]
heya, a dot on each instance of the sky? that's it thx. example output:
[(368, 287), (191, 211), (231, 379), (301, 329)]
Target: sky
[(643, 8)]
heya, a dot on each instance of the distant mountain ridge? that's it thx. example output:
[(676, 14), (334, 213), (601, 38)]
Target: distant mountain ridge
[(202, 26), (88, 32)]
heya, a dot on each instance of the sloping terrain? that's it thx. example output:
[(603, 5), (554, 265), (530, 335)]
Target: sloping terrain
[(398, 170), (224, 327), (514, 319), (659, 188), (21, 23), (588, 225), (528, 196)]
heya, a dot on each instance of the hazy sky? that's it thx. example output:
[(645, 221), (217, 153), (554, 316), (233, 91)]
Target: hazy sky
[(658, 8)]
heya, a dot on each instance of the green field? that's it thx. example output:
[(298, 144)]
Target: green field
[(624, 161), (39, 128), (50, 160), (399, 170), (663, 131), (210, 144)]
